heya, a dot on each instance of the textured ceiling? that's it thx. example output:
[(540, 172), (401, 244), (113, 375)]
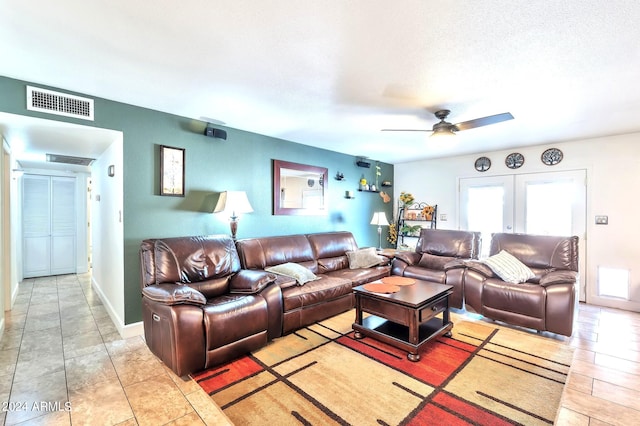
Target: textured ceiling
[(332, 74)]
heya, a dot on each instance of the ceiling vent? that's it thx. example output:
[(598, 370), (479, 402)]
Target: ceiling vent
[(51, 102), (66, 159)]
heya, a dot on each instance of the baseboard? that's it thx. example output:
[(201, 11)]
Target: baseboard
[(125, 330), (132, 330)]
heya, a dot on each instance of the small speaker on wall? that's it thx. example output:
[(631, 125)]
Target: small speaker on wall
[(215, 133)]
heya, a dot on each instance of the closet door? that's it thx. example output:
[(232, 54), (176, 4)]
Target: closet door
[(36, 225), (63, 225), (48, 224)]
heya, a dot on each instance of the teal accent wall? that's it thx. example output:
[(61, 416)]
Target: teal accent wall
[(242, 162)]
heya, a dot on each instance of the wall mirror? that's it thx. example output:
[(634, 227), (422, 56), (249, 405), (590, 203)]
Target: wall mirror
[(299, 189)]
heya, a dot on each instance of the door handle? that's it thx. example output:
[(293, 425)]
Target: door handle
[(509, 227)]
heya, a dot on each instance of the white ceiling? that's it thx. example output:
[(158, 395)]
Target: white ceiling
[(333, 73)]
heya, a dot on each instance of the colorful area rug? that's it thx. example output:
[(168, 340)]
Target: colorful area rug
[(484, 374)]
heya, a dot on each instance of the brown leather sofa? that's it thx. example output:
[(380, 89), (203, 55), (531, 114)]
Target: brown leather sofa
[(546, 302), (438, 258), (199, 307), (206, 300), (325, 254)]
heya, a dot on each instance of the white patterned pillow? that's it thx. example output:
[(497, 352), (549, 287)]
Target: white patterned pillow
[(509, 268), (364, 258), (301, 274)]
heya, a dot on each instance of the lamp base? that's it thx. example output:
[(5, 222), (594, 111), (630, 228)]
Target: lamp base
[(233, 224)]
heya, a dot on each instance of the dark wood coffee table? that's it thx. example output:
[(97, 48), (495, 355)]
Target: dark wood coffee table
[(406, 319)]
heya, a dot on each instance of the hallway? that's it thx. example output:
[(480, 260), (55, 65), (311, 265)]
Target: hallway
[(62, 362)]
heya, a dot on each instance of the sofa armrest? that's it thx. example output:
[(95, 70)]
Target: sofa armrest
[(480, 268), (559, 277), (408, 257), (250, 281), (174, 294)]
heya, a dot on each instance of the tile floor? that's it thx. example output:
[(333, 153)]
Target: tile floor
[(60, 347), (604, 382), (63, 362)]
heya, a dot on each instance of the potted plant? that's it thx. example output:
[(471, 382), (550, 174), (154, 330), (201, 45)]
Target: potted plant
[(410, 230)]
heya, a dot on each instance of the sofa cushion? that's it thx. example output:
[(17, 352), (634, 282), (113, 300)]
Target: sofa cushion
[(314, 292), (509, 268), (364, 258), (301, 274), (361, 275)]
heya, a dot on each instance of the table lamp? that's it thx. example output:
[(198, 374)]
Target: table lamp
[(233, 203)]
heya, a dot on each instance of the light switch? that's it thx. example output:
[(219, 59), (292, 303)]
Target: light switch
[(443, 217), (602, 220)]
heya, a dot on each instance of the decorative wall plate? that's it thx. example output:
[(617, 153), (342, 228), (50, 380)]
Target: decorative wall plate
[(514, 160), (551, 156), (482, 164)]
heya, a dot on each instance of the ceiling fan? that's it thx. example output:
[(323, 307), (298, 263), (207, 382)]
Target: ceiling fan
[(445, 128)]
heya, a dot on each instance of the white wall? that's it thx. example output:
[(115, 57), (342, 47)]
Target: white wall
[(613, 176), (107, 232)]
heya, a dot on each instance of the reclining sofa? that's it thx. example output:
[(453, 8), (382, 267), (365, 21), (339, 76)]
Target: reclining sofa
[(207, 300), (438, 258), (547, 301)]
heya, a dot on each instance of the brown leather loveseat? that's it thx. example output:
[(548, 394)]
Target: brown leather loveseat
[(545, 302), (438, 258), (199, 307)]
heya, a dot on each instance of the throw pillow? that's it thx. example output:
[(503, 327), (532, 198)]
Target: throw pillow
[(509, 268), (301, 274), (364, 258)]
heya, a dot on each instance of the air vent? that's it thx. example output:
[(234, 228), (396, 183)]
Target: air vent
[(66, 159), (51, 102)]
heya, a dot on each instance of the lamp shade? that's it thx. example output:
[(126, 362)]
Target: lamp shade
[(232, 203), (380, 219)]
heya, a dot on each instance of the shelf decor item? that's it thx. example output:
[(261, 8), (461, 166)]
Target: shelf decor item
[(406, 199), (427, 212)]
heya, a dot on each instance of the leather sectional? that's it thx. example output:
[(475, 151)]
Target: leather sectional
[(207, 300)]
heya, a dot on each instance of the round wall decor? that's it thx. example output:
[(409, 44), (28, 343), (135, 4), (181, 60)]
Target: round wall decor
[(482, 164), (514, 160), (551, 156)]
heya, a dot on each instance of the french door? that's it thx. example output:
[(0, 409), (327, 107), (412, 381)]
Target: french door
[(535, 203)]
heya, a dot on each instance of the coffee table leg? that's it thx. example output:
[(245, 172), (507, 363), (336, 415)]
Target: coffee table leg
[(413, 357), (358, 335)]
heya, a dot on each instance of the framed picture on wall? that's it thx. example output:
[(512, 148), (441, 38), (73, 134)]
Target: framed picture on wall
[(171, 171)]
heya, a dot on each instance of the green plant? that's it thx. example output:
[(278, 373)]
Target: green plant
[(410, 229)]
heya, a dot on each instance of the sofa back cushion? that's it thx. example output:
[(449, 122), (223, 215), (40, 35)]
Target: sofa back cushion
[(449, 243), (330, 249), (260, 253), (205, 262), (541, 253)]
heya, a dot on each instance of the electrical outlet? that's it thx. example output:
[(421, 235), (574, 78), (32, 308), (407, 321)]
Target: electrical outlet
[(602, 220), (443, 217)]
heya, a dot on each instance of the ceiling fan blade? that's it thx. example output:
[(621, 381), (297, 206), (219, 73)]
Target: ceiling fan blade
[(405, 130), (484, 121)]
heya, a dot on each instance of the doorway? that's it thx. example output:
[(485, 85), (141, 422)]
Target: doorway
[(535, 203)]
